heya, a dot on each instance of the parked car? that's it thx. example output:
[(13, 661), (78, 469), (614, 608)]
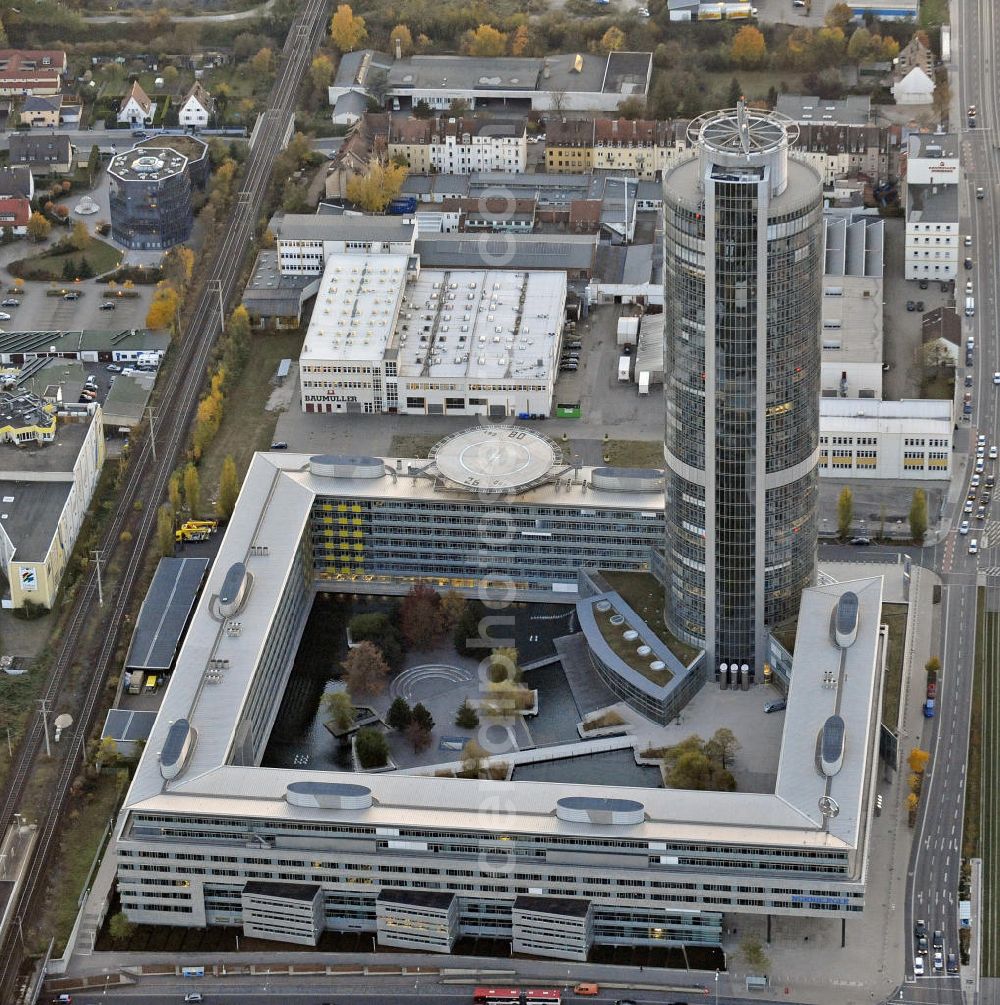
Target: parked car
[(279, 445), (968, 263), (980, 192), (993, 452), (776, 706), (10, 302), (193, 996), (968, 380), (968, 240), (4, 316), (113, 368), (72, 295), (929, 708), (911, 305), (996, 376), (920, 305), (108, 305), (924, 283), (861, 541), (932, 689)]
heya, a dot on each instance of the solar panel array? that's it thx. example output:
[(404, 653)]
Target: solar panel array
[(164, 614)]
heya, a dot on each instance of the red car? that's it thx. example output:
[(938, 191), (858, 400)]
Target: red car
[(932, 689)]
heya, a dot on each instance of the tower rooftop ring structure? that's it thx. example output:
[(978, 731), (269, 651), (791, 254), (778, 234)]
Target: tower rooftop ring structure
[(495, 459), (743, 130)]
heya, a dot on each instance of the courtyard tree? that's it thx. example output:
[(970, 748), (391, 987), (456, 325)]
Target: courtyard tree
[(422, 717), (371, 747), (420, 618), (918, 516), (845, 513), (473, 757), (400, 715), (420, 738), (467, 636), (723, 746), (347, 29), (382, 630), (453, 606), (688, 765), (466, 716), (365, 670), (340, 711), (504, 666)]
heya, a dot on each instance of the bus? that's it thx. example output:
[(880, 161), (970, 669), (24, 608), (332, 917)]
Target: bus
[(542, 996), (497, 996)]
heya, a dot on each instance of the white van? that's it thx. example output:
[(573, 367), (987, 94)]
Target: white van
[(970, 306)]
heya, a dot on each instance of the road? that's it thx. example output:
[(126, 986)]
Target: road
[(237, 15), (146, 480), (936, 857)]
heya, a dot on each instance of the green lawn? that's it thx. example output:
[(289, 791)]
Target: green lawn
[(81, 839), (893, 615), (754, 83), (634, 453), (49, 264), (404, 445), (644, 594), (247, 426), (938, 385), (626, 650)]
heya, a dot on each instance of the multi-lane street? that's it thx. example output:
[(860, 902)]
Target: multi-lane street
[(936, 858)]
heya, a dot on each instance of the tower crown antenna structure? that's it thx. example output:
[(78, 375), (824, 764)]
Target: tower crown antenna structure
[(743, 125)]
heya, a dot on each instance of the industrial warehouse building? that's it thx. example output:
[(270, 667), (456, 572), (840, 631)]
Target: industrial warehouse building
[(207, 837), (45, 491), (386, 336)]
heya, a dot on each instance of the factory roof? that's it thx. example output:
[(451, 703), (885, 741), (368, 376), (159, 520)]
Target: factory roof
[(129, 340), (485, 323), (857, 414), (326, 227), (126, 401), (30, 512), (563, 252), (272, 293), (933, 146)]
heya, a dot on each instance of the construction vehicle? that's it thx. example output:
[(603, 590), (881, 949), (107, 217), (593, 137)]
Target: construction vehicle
[(210, 525), (186, 533)]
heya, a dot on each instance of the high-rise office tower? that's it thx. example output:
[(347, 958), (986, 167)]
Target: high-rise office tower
[(743, 275)]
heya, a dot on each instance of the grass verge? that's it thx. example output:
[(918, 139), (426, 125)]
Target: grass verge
[(51, 263), (419, 445), (644, 594), (247, 426), (893, 615), (80, 841), (634, 453)]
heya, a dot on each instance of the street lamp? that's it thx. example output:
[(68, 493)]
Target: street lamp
[(716, 987)]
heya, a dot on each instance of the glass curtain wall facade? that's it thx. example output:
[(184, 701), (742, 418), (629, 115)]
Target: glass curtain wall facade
[(743, 245)]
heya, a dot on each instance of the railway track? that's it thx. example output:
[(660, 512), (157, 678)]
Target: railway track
[(146, 481)]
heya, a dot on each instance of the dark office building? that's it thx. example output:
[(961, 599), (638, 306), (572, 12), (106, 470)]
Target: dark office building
[(743, 275), (150, 198)]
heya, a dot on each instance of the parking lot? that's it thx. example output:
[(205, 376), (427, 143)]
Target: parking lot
[(40, 312), (606, 405)]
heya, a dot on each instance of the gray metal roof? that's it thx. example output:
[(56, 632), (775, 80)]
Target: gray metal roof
[(324, 227), (164, 613), (517, 251)]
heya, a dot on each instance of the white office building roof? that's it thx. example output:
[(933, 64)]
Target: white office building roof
[(487, 324)]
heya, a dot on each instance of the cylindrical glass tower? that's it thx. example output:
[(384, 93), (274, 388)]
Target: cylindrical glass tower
[(743, 275)]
